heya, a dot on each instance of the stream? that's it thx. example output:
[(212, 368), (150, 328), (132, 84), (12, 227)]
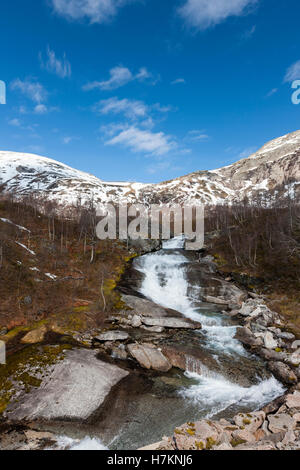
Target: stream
[(150, 407)]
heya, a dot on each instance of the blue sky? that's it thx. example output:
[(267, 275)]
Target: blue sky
[(147, 90)]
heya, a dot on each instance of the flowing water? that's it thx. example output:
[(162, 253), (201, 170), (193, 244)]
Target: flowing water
[(170, 400)]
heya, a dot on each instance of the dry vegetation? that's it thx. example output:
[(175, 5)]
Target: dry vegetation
[(260, 247), (69, 278)]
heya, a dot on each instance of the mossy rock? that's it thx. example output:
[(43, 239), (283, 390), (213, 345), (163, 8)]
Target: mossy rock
[(25, 369)]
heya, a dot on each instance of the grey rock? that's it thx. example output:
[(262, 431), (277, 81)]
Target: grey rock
[(74, 389), (294, 359), (169, 322), (281, 422), (214, 300), (286, 335), (153, 329), (149, 357), (293, 401), (136, 321), (296, 344), (271, 355), (269, 341), (283, 372), (146, 308), (113, 335), (245, 336), (27, 300), (251, 421)]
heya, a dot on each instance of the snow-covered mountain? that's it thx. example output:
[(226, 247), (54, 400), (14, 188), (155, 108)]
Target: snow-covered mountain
[(273, 171)]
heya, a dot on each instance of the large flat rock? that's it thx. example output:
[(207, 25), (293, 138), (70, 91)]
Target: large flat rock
[(168, 322), (74, 389), (146, 308)]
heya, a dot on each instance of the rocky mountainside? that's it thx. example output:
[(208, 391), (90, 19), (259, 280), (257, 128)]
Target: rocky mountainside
[(272, 172)]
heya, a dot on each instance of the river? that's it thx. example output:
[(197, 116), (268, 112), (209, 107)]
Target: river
[(155, 406)]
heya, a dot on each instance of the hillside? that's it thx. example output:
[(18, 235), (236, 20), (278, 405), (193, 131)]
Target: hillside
[(53, 273)]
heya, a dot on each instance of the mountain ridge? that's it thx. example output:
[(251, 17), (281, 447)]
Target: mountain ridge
[(272, 172)]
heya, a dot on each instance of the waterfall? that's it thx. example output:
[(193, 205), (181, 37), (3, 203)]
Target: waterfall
[(165, 283)]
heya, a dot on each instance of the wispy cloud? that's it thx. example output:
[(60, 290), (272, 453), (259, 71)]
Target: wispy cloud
[(135, 110), (61, 67), (40, 109), (31, 89), (272, 92), (178, 81), (204, 14), (132, 109), (119, 76), (197, 136), (95, 11), (15, 122), (293, 72), (249, 33), (144, 141), (247, 152), (68, 139)]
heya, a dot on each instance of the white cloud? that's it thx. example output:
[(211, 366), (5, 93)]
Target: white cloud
[(33, 90), (61, 67), (15, 122), (178, 81), (293, 72), (40, 109), (119, 76), (130, 108), (96, 11), (203, 14), (145, 141)]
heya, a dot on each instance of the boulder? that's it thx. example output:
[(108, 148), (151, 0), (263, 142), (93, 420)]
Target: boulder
[(243, 435), (281, 422), (207, 430), (296, 344), (283, 372), (271, 355), (245, 336), (74, 388), (136, 321), (149, 357), (269, 341), (286, 335), (294, 359), (251, 421), (35, 336), (113, 335), (293, 401)]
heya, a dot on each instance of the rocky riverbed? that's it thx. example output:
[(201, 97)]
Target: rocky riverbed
[(187, 346)]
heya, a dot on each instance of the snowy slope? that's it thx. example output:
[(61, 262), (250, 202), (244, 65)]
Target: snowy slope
[(272, 171)]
